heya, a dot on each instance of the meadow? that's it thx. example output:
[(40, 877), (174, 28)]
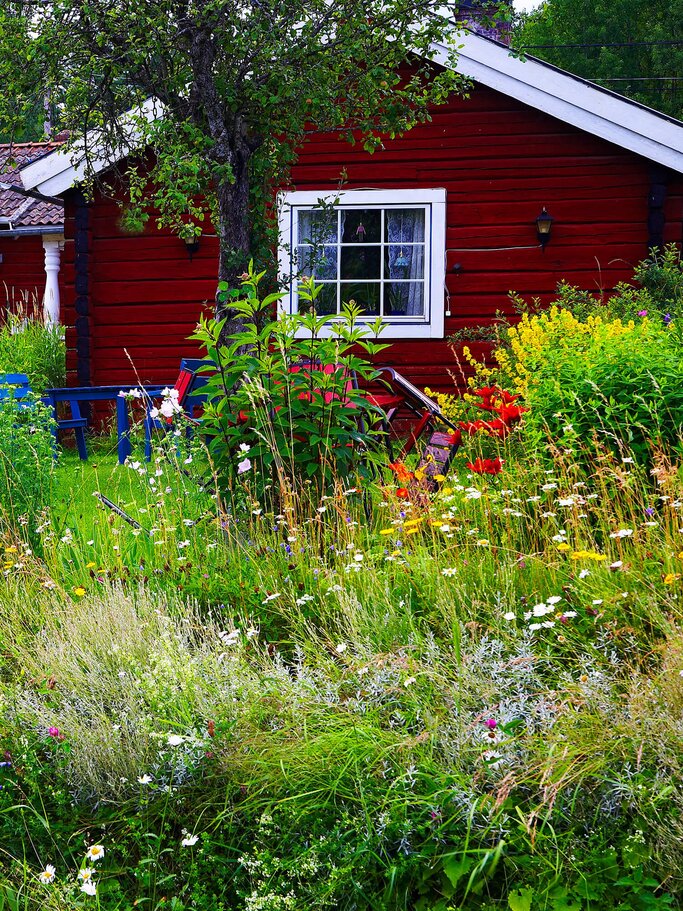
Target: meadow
[(350, 691)]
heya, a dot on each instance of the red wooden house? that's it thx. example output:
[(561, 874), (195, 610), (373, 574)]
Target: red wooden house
[(432, 231)]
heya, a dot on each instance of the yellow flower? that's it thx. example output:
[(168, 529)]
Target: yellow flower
[(563, 546), (580, 555), (11, 550), (412, 531), (670, 578), (80, 591), (447, 491), (597, 557), (90, 565), (680, 556), (387, 531), (483, 542), (439, 478)]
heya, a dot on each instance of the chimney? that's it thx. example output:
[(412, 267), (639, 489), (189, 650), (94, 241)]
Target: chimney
[(488, 18)]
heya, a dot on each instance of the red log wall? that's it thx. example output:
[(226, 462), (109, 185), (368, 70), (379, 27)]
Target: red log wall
[(500, 163)]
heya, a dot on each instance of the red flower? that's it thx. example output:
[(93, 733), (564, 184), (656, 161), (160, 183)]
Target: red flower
[(401, 472), (402, 493), (508, 412), (486, 466)]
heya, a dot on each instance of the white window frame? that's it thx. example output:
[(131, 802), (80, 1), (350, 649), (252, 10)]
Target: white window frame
[(433, 200)]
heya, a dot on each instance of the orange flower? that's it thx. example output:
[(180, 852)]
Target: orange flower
[(402, 493)]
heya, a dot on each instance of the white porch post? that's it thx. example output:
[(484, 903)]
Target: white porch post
[(53, 246)]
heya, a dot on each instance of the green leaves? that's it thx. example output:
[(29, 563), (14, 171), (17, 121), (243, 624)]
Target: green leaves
[(285, 392)]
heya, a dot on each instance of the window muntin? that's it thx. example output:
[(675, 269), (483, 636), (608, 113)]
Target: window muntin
[(374, 255)]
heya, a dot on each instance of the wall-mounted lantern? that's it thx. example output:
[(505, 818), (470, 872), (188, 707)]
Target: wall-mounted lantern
[(192, 244), (544, 227)]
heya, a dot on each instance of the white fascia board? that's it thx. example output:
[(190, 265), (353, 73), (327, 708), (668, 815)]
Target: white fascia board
[(618, 120), (55, 173)]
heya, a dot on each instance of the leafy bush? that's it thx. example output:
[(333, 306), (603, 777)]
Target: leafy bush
[(26, 458), (28, 345), (609, 380), (282, 398)]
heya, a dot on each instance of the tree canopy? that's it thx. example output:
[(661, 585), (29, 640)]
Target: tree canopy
[(634, 47), (237, 83)]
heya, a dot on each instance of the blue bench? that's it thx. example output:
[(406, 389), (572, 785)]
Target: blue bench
[(15, 386)]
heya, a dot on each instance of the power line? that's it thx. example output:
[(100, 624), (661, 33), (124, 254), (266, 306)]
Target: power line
[(634, 78), (537, 47)]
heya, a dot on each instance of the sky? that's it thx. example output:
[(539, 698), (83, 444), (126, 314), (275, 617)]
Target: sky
[(526, 5)]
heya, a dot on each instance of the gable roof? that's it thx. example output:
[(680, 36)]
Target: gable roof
[(23, 212), (533, 82)]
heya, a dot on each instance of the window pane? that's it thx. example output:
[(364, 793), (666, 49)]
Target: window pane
[(361, 226), (318, 261), (361, 262), (365, 294), (325, 302), (404, 262), (317, 226), (404, 226), (404, 299)]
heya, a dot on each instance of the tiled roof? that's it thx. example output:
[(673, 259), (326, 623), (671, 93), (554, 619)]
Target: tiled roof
[(22, 211)]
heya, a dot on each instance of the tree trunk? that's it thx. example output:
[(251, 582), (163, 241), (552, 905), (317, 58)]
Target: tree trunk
[(233, 224)]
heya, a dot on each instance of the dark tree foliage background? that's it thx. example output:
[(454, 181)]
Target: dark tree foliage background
[(634, 47)]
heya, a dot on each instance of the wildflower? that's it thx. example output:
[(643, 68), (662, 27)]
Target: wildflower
[(670, 578), (47, 875), (486, 466), (449, 571), (53, 732), (554, 599), (642, 313), (244, 448), (402, 493), (271, 597), (584, 573), (89, 887), (174, 740), (616, 565), (509, 616), (386, 531), (95, 852), (341, 648), (144, 779), (622, 533), (471, 493), (409, 681), (243, 466), (80, 591), (86, 874), (667, 318), (563, 546), (189, 841), (491, 724)]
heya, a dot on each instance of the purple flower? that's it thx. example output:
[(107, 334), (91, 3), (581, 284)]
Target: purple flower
[(642, 313), (491, 723), (650, 511), (53, 732), (667, 318)]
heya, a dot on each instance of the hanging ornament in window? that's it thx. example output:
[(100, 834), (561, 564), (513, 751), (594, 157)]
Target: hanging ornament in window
[(360, 232), (401, 259)]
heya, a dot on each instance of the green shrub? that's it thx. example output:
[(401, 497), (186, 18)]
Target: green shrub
[(26, 458), (268, 412), (604, 379), (29, 346)]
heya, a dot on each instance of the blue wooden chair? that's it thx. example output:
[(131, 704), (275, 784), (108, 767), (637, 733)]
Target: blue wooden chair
[(190, 397)]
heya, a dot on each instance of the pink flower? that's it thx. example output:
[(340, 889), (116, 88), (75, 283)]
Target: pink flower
[(53, 732), (491, 723)]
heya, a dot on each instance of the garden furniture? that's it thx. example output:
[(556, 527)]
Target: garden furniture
[(15, 386)]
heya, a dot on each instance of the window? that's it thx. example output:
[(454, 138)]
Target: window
[(384, 249)]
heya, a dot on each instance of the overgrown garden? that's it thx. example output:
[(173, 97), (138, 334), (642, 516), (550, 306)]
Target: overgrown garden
[(303, 680)]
